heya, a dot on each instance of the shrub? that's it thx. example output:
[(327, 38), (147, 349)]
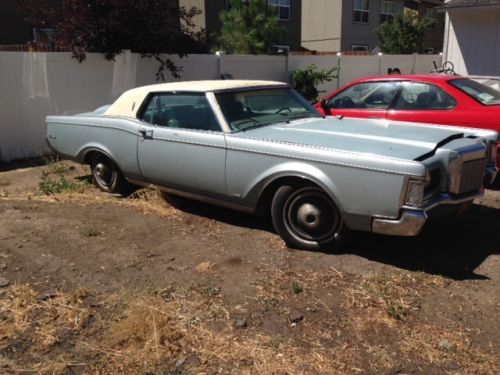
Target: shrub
[(305, 81)]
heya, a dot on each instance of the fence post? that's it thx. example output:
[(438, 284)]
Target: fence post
[(414, 63), (287, 69), (339, 64), (380, 57), (219, 64)]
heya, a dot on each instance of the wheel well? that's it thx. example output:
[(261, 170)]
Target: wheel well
[(263, 207), (87, 159), (88, 156)]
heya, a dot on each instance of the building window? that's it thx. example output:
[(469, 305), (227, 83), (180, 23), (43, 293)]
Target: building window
[(283, 7), (359, 48), (387, 11), (361, 11)]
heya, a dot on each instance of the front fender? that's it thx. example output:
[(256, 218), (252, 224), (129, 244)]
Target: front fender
[(291, 169)]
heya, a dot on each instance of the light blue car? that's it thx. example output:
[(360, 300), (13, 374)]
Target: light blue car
[(259, 147)]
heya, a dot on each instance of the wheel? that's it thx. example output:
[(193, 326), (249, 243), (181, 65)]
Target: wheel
[(307, 218), (106, 175)]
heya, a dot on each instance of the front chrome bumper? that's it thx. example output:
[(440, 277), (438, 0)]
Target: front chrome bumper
[(412, 221)]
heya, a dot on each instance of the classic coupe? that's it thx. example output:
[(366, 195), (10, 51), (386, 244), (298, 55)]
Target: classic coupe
[(259, 147), (432, 99)]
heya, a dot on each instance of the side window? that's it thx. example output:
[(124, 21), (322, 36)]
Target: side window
[(370, 95), (423, 96), (184, 111)]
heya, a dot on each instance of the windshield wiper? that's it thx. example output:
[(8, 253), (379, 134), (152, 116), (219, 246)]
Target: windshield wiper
[(299, 116), (255, 124)]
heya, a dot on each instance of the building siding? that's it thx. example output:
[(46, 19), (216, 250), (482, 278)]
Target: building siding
[(473, 41), (321, 25)]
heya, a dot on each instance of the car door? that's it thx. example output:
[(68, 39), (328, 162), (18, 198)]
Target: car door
[(363, 100), (181, 144), (426, 103)]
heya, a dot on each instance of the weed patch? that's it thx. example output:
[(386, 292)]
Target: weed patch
[(51, 184)]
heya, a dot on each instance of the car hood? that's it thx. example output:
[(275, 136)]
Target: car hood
[(378, 137)]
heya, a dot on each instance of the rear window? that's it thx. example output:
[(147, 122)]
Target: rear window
[(483, 94)]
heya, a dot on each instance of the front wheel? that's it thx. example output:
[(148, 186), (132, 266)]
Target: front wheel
[(307, 218)]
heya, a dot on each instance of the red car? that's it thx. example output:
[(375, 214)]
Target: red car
[(431, 98)]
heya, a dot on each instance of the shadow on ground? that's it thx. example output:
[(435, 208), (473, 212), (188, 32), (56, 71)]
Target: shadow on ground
[(450, 248), (22, 163)]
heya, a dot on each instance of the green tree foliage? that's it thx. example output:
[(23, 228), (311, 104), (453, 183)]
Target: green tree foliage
[(306, 81), (149, 27), (249, 28), (404, 35)]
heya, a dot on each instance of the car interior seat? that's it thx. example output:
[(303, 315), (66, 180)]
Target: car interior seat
[(427, 100)]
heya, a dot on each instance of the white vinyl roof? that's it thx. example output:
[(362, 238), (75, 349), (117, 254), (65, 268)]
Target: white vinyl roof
[(129, 102)]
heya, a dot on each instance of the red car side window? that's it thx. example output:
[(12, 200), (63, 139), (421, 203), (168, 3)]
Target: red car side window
[(423, 96), (370, 95)]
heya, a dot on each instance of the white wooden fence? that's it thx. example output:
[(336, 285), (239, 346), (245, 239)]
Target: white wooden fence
[(35, 84)]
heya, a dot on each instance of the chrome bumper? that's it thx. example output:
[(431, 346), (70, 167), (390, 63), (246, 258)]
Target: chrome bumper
[(490, 175), (412, 221)]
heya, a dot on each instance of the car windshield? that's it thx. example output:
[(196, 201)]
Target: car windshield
[(483, 94), (249, 109)]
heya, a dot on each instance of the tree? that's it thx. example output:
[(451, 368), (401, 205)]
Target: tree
[(249, 28), (149, 27), (404, 34)]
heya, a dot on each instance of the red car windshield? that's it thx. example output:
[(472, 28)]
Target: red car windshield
[(483, 94)]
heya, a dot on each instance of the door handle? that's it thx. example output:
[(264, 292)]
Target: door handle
[(146, 133)]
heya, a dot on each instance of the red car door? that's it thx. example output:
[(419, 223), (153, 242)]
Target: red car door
[(362, 100)]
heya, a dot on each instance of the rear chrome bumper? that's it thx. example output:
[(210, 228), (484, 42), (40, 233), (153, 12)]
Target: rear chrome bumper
[(412, 221)]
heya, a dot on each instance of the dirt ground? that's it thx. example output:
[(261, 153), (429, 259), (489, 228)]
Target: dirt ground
[(98, 284)]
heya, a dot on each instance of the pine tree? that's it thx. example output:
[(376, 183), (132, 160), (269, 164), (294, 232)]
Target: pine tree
[(249, 28)]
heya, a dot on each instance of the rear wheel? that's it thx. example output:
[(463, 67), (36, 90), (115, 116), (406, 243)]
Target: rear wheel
[(307, 218), (106, 175)]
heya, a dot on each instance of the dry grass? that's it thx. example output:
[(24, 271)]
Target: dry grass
[(190, 330)]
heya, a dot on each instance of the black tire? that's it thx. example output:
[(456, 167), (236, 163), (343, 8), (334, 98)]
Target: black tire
[(307, 218), (106, 175)]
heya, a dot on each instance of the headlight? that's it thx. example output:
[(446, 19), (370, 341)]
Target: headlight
[(415, 193)]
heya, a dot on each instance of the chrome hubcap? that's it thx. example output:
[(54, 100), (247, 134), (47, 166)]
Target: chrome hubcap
[(103, 172), (100, 170), (311, 215)]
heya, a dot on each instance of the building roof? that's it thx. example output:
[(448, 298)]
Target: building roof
[(451, 4), (129, 102)]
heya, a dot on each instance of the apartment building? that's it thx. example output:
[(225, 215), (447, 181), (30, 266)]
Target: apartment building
[(349, 25)]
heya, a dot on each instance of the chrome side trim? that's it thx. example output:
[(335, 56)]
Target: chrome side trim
[(195, 196)]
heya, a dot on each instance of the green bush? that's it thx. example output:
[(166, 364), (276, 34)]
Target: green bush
[(305, 81)]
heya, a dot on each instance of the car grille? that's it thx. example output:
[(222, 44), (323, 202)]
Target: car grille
[(471, 177)]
